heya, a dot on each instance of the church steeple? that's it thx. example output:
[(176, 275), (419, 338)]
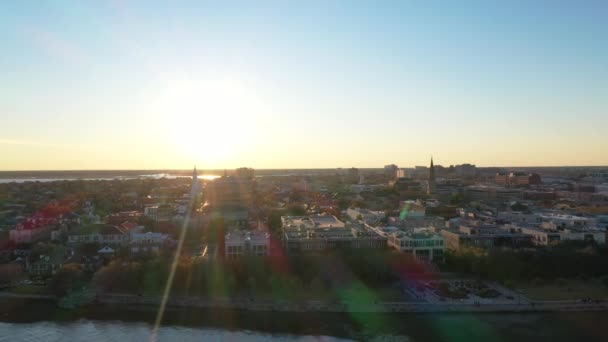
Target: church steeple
[(432, 184), (195, 184)]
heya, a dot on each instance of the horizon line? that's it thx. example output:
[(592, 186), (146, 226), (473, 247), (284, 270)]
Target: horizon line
[(302, 168)]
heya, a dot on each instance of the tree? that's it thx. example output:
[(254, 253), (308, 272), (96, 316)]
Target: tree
[(69, 277), (90, 248)]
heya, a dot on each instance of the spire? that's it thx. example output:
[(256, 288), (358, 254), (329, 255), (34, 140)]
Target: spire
[(432, 184), (195, 185)]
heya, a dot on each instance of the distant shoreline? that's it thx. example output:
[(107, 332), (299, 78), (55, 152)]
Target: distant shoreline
[(188, 172)]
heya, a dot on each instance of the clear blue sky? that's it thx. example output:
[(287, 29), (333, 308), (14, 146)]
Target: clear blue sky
[(149, 84)]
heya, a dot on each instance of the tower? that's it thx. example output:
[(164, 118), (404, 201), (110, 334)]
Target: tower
[(432, 184), (195, 184)]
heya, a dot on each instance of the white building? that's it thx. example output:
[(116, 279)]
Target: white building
[(424, 244), (310, 222), (239, 243), (151, 212), (563, 220), (104, 234), (148, 242), (317, 240), (519, 217), (544, 237)]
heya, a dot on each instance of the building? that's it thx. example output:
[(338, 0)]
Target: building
[(565, 221), (422, 244), (318, 240), (400, 173), (502, 178), (159, 213), (544, 237), (412, 210), (517, 178), (240, 243), (47, 265), (104, 234), (123, 216), (484, 236), (32, 230), (465, 170), (436, 208), (312, 222), (390, 170), (492, 193), (518, 217), (366, 215), (410, 222), (148, 243), (407, 185)]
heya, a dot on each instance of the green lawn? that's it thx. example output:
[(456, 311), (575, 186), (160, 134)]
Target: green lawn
[(29, 289), (565, 289)]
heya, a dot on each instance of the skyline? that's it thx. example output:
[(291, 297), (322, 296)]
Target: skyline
[(152, 85)]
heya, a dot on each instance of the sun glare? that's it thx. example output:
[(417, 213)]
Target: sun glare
[(209, 121)]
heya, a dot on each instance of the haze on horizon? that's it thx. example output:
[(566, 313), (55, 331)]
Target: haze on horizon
[(316, 84)]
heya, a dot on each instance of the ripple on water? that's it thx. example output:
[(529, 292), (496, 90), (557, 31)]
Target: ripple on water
[(94, 331)]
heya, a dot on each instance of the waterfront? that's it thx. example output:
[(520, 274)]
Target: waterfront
[(446, 327), (43, 321)]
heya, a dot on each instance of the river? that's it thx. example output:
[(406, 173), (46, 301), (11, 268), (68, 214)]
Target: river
[(39, 321)]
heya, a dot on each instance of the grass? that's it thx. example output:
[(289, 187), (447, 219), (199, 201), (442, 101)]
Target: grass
[(29, 289), (565, 290)]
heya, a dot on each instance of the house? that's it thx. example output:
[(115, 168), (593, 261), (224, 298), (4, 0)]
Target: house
[(104, 234), (106, 252), (47, 265), (33, 229), (145, 243)]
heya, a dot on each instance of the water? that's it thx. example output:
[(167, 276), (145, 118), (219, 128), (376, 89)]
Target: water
[(152, 176), (575, 326), (92, 331)]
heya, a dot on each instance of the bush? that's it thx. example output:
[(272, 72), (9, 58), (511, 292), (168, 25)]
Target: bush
[(488, 293)]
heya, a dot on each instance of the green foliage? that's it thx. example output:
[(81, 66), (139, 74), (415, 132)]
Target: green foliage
[(287, 277), (457, 199), (563, 261), (89, 248), (69, 277)]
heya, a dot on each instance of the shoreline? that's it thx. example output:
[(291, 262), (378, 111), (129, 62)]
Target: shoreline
[(520, 326), (311, 306)]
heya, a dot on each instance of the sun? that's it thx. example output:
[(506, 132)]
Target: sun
[(210, 121)]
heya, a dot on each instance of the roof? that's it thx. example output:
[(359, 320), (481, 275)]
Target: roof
[(105, 250), (99, 228)]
